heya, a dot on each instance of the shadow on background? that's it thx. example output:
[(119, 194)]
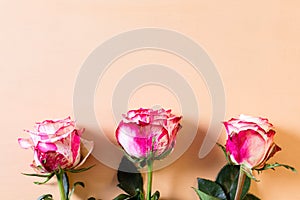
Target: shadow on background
[(182, 175), (281, 179), (171, 181)]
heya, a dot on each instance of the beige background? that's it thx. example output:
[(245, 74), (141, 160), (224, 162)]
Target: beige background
[(254, 45)]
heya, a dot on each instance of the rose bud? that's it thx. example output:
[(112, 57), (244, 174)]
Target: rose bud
[(148, 133), (250, 141), (56, 144)]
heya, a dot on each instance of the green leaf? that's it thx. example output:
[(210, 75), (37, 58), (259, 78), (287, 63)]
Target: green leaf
[(211, 188), (228, 179), (130, 180), (226, 176), (250, 197), (47, 179), (73, 188), (204, 196), (122, 197), (155, 196), (46, 197), (138, 196), (273, 166), (79, 170), (65, 180)]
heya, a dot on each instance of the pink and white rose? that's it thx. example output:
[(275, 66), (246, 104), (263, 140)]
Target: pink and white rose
[(56, 144), (250, 141), (148, 132)]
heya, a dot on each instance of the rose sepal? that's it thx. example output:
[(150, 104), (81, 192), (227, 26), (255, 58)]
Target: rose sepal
[(47, 176), (248, 172), (275, 165), (226, 154)]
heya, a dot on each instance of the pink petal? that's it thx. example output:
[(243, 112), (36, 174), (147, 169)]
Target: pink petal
[(25, 143), (60, 136), (64, 129), (274, 148), (45, 147), (75, 147), (36, 164), (51, 126), (174, 134), (162, 142), (129, 137), (140, 147), (51, 161), (145, 130), (247, 147)]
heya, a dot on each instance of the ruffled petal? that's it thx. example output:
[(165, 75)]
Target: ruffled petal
[(51, 126), (145, 130), (46, 147), (25, 143), (162, 142)]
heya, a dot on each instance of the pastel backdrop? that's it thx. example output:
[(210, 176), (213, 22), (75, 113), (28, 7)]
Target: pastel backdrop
[(255, 47)]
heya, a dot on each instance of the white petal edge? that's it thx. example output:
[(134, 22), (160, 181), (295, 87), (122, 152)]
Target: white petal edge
[(86, 148)]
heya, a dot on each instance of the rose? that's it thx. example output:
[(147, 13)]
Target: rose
[(250, 141), (56, 145), (147, 132), (147, 135), (249, 145), (57, 150)]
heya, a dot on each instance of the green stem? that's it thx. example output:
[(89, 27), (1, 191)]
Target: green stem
[(239, 189), (59, 176), (149, 178)]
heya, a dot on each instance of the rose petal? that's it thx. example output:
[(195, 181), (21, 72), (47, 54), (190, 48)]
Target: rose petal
[(25, 143), (51, 161), (129, 137), (58, 137), (248, 147), (36, 164), (45, 147), (75, 148), (274, 148), (85, 150), (145, 130), (162, 142), (51, 126)]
